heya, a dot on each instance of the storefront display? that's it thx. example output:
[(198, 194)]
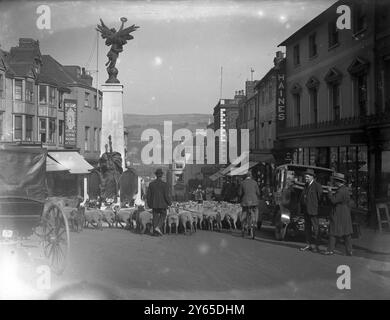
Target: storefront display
[(351, 161)]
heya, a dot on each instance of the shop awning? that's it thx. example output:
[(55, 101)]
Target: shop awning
[(52, 165), (242, 170), (72, 161), (235, 163), (216, 176)]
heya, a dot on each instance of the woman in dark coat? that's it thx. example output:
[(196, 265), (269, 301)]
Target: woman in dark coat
[(340, 217)]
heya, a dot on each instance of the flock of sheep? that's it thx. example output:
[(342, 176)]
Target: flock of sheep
[(186, 217)]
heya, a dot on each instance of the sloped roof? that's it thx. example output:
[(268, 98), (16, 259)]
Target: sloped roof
[(22, 69), (51, 68), (309, 27), (72, 72), (24, 58)]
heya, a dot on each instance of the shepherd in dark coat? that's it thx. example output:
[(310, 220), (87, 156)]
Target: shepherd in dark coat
[(309, 201), (159, 200), (340, 218)]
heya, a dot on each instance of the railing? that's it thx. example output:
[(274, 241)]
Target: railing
[(340, 124)]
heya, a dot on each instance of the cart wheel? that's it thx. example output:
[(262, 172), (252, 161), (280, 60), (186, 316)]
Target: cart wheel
[(55, 236)]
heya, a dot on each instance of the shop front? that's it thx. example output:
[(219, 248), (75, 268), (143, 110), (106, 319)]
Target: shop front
[(352, 161), (68, 173)]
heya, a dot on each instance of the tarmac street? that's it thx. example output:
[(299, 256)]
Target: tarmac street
[(120, 264)]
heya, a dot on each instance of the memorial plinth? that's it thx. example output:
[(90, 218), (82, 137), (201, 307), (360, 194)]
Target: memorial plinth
[(112, 119)]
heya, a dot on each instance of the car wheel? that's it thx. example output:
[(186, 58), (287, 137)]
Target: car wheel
[(278, 232)]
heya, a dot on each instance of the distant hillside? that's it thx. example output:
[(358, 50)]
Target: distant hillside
[(137, 123), (144, 120)]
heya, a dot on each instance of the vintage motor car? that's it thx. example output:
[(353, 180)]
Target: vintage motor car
[(288, 218)]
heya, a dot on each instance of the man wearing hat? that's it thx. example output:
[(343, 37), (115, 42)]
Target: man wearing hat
[(310, 198), (249, 194), (159, 200), (340, 217)]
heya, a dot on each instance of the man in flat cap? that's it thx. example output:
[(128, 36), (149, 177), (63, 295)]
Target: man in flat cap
[(310, 198), (159, 200)]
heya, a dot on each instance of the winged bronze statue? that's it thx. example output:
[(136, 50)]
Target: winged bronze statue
[(115, 39)]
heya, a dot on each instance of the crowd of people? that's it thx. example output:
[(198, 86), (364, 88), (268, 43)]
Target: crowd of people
[(252, 201)]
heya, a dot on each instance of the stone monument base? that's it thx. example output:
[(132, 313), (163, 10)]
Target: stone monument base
[(112, 119)]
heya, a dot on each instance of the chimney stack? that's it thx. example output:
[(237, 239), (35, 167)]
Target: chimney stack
[(278, 58)]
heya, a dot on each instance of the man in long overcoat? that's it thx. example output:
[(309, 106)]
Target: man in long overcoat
[(310, 198), (159, 199), (340, 217)]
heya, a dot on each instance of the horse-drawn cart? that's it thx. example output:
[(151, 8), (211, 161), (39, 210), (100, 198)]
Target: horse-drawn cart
[(24, 209)]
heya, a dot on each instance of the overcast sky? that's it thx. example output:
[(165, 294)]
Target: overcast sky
[(173, 65)]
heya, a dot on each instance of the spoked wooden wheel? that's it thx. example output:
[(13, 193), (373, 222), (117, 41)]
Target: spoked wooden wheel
[(55, 237)]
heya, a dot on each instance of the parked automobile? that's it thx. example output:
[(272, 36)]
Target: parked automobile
[(287, 218)]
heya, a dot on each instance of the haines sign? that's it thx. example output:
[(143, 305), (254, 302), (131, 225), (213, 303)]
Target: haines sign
[(281, 96)]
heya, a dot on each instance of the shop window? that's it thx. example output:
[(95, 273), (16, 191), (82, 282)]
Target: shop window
[(312, 45), (42, 130), (362, 178), (61, 131), (300, 156), (295, 156), (29, 91), (52, 130), (313, 156), (18, 89), (343, 160), (333, 34), (18, 127), (334, 158), (29, 128), (296, 54), (2, 85), (352, 166), (42, 94), (306, 156)]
